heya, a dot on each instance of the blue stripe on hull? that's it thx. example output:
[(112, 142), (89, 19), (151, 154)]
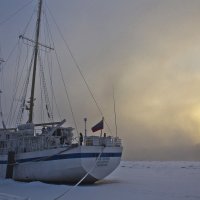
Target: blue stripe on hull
[(65, 156)]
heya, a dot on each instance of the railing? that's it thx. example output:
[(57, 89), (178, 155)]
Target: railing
[(105, 141), (3, 149), (29, 144), (41, 142)]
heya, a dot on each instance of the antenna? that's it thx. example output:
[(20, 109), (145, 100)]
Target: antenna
[(114, 104), (1, 112)]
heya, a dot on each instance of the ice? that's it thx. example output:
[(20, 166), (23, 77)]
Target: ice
[(141, 180), (4, 196)]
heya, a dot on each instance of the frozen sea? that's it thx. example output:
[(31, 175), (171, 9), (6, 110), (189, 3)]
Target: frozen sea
[(141, 180)]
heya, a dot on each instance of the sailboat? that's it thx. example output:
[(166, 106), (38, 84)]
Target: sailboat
[(47, 151)]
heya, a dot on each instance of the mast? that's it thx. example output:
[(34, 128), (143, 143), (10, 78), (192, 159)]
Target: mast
[(30, 120)]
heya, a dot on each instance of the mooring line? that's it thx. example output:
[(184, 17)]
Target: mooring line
[(82, 179)]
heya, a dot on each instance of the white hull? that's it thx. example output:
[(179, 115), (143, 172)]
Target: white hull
[(60, 166)]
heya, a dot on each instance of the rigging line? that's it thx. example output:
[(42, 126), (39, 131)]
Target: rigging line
[(17, 73), (66, 92), (48, 105), (24, 91), (46, 97), (52, 89), (46, 60), (79, 69), (18, 66), (15, 92), (82, 179), (50, 68), (26, 27), (14, 96), (6, 61), (15, 13), (46, 30), (41, 99)]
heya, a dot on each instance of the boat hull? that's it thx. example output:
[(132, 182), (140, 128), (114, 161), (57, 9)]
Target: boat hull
[(63, 165)]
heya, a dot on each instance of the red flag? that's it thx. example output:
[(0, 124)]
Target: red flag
[(98, 126)]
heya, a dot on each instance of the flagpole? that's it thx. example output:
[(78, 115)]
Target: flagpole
[(85, 120)]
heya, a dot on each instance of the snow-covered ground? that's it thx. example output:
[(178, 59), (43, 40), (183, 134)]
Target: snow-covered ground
[(131, 181)]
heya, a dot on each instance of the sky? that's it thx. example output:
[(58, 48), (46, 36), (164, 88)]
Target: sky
[(148, 50)]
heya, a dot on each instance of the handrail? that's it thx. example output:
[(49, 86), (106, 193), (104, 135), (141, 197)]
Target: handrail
[(98, 141)]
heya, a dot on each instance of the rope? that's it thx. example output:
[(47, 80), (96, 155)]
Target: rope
[(46, 97), (41, 100), (67, 93), (11, 114), (49, 63), (50, 68), (82, 179), (24, 94), (16, 81)]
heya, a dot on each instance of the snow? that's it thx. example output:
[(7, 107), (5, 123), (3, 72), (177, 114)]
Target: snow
[(141, 180)]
